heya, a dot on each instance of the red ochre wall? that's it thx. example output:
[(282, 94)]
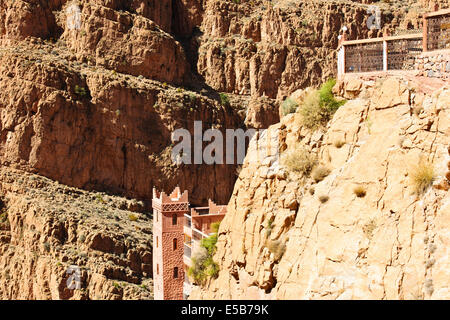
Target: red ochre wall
[(165, 286)]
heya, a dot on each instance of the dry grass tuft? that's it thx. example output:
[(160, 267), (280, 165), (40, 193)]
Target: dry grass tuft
[(299, 160), (277, 247), (422, 176), (133, 217), (368, 228), (339, 143), (324, 198), (359, 191), (319, 173)]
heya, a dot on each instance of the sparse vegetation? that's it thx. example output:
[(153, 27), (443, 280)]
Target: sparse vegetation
[(288, 106), (224, 100), (80, 91), (277, 247), (319, 173), (339, 143), (319, 106), (3, 216), (369, 124), (299, 160), (368, 229), (47, 246), (203, 265), (269, 226), (133, 217), (416, 110), (192, 97), (324, 198), (422, 176), (359, 191), (99, 199)]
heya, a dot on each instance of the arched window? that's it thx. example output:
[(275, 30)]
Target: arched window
[(174, 219), (175, 244), (175, 272)]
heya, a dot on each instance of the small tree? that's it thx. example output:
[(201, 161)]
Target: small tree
[(203, 265)]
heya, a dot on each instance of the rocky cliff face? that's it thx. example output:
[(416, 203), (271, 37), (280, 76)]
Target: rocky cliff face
[(47, 227), (360, 233), (93, 106)]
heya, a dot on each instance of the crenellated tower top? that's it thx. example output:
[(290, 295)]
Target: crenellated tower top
[(176, 201)]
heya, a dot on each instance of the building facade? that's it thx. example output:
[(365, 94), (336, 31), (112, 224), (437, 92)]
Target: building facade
[(177, 233)]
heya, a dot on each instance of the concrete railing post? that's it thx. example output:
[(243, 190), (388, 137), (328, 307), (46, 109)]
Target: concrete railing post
[(341, 62), (385, 56), (425, 34)]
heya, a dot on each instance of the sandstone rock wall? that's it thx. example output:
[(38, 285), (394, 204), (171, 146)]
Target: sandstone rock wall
[(47, 227), (287, 237), (92, 128), (434, 65)]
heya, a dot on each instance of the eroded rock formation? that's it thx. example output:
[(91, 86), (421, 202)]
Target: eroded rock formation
[(287, 237), (47, 227)]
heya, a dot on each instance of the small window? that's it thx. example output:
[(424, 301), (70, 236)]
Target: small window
[(175, 244), (157, 269), (175, 272), (174, 219), (157, 214), (157, 242)]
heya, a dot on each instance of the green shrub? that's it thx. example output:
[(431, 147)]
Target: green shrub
[(299, 160), (327, 99), (288, 106), (319, 105), (203, 265), (224, 100), (422, 176), (3, 216), (133, 217), (80, 91)]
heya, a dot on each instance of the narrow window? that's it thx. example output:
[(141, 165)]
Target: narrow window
[(157, 215), (174, 219), (175, 272), (175, 244), (157, 242), (157, 269)]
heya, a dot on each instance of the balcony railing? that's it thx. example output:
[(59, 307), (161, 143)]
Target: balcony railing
[(187, 220), (187, 251)]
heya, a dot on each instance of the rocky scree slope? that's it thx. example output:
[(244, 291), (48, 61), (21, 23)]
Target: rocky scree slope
[(361, 232), (46, 227)]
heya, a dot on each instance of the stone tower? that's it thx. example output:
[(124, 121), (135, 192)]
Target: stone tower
[(168, 239)]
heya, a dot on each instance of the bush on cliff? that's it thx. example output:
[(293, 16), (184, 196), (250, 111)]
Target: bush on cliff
[(319, 106), (203, 265), (299, 159), (288, 106), (422, 176)]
